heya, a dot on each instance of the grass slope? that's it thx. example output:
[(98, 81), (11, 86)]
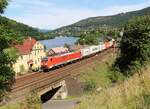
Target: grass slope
[(134, 93), (98, 72)]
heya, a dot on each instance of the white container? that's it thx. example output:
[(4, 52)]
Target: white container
[(100, 47), (94, 49), (85, 51)]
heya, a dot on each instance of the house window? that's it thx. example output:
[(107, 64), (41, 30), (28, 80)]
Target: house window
[(35, 62), (39, 59), (35, 47), (22, 57)]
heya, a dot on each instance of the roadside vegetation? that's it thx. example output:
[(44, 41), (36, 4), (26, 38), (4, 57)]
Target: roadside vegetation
[(32, 101)]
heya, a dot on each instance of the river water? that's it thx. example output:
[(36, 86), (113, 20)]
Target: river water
[(59, 41)]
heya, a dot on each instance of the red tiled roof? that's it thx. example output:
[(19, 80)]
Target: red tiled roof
[(26, 46), (57, 50)]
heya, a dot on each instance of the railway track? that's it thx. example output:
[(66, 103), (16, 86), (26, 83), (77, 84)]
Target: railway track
[(39, 80)]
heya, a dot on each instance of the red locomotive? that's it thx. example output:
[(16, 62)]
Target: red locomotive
[(50, 62)]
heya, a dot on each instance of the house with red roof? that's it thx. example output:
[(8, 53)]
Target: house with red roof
[(57, 51), (31, 52)]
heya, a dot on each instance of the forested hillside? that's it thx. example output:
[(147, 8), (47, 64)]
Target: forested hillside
[(20, 28), (99, 23)]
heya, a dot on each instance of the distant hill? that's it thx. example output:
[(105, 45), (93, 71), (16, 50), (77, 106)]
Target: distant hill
[(100, 22), (21, 28), (44, 30)]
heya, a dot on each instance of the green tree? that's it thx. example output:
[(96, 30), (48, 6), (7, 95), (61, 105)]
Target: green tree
[(7, 55), (90, 38), (135, 46), (66, 45), (3, 4)]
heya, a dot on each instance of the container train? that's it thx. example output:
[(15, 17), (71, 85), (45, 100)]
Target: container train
[(55, 61)]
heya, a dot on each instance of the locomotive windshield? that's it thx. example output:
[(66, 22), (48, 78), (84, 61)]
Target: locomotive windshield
[(45, 59)]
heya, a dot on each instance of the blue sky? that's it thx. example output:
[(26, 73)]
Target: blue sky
[(51, 14)]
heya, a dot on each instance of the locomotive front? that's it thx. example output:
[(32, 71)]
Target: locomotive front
[(44, 63)]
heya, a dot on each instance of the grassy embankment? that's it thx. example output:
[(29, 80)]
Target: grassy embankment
[(96, 76), (133, 93)]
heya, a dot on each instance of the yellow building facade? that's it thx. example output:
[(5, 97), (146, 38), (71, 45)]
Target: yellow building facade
[(31, 53)]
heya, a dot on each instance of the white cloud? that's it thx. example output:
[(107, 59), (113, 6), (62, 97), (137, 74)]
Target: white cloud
[(56, 18), (46, 15)]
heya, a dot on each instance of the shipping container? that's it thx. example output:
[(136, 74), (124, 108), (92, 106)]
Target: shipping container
[(85, 51), (94, 49), (100, 47)]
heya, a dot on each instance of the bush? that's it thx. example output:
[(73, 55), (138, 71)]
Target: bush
[(146, 101), (115, 76), (135, 46), (32, 101), (89, 85)]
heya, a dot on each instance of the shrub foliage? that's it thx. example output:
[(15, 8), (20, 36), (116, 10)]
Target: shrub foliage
[(88, 38), (3, 4), (135, 46), (8, 55), (89, 85)]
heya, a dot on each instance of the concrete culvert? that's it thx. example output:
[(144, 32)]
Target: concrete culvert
[(48, 95)]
